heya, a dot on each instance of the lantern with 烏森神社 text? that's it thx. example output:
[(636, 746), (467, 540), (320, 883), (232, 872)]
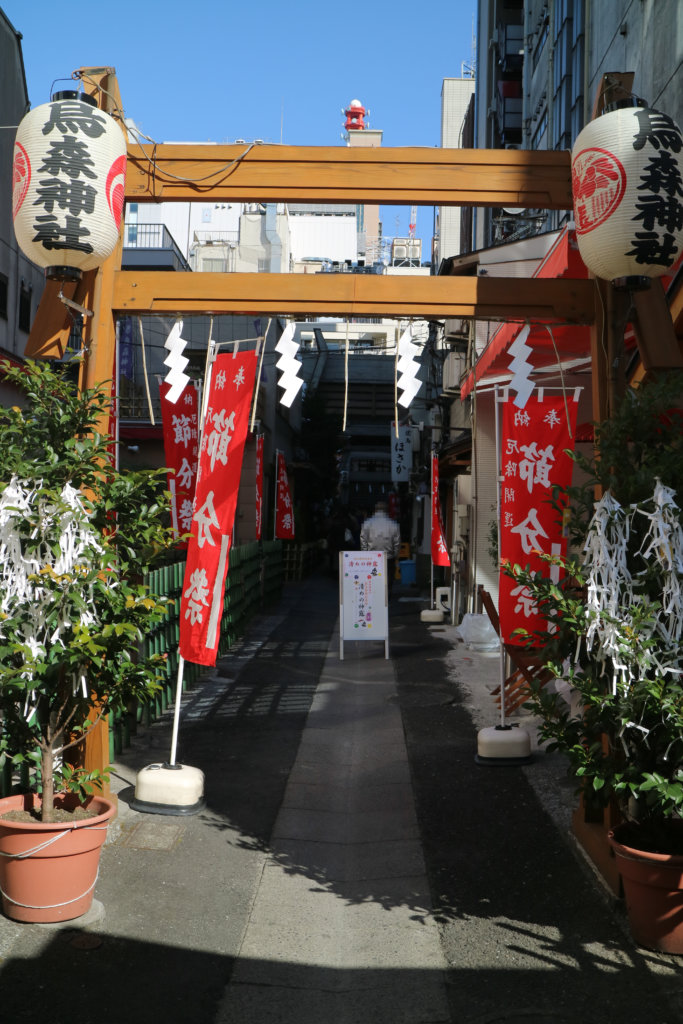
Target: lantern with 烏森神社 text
[(68, 183), (627, 185)]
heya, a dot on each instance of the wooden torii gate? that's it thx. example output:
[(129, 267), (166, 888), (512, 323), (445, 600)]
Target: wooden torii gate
[(527, 179)]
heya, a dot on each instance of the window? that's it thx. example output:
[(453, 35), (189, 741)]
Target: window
[(3, 296), (540, 131), (25, 294), (538, 48), (214, 266)]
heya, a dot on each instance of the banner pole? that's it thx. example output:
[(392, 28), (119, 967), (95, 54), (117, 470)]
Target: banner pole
[(502, 744), (498, 512), (431, 532), (277, 480), (176, 711)]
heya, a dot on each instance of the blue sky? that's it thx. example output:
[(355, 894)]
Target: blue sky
[(215, 70)]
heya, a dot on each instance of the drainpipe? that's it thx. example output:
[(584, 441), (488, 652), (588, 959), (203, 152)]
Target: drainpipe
[(273, 239)]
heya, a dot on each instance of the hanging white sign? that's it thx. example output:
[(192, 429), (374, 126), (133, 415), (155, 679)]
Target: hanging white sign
[(401, 454)]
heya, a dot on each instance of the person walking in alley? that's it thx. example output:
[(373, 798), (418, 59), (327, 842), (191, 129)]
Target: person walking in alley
[(380, 533)]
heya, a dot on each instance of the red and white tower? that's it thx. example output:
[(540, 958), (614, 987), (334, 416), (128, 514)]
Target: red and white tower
[(354, 113), (368, 225)]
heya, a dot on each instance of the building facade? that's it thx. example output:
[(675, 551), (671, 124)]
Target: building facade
[(21, 281), (540, 64)]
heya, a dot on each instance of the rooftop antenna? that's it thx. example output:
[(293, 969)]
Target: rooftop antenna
[(468, 68)]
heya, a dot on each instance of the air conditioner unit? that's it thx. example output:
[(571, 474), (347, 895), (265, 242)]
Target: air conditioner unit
[(463, 514), (453, 370)]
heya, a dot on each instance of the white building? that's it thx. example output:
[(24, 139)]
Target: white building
[(456, 94)]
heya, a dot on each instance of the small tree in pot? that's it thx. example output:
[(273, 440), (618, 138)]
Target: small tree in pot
[(615, 622), (75, 537)]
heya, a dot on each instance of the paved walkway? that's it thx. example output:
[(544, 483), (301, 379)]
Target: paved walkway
[(320, 945), (352, 864)]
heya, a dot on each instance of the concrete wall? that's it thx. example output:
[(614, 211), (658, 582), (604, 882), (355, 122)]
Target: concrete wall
[(643, 36), (329, 237)]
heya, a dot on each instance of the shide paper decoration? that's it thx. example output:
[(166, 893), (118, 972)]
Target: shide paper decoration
[(176, 378), (521, 368), (68, 185), (288, 366), (407, 367), (614, 592), (627, 184), (41, 541)]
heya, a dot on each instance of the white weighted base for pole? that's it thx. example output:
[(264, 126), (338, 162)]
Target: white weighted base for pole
[(169, 789), (503, 745), (431, 615)]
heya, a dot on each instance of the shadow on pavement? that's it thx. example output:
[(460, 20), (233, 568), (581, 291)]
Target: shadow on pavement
[(120, 980), (526, 934)]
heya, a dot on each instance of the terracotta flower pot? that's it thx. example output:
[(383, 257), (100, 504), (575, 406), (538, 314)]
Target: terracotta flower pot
[(48, 872), (653, 889)]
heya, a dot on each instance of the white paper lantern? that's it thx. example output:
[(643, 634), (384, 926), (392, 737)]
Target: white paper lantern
[(627, 184), (68, 185)]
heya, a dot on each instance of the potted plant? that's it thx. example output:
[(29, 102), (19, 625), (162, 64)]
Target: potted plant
[(614, 634), (75, 536)]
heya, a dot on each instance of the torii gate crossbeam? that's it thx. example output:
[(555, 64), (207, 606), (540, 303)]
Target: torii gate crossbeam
[(488, 298), (409, 176)]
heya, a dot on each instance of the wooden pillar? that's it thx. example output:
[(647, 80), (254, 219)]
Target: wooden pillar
[(98, 369)]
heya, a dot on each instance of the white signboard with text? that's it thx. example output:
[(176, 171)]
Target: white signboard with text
[(363, 598), (401, 454)]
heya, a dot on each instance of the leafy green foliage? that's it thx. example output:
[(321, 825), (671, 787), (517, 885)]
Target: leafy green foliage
[(623, 732), (86, 662)]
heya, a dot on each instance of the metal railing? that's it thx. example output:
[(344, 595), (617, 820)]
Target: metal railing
[(153, 236)]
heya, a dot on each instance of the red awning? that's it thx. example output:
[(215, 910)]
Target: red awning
[(565, 343)]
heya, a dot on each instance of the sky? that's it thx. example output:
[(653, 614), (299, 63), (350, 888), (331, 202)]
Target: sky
[(216, 70)]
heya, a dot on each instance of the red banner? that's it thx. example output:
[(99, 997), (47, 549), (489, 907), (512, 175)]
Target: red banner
[(224, 434), (533, 461), (259, 486), (439, 549), (181, 448), (284, 512)]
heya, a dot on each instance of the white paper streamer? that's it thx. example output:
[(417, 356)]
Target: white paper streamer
[(25, 568)]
